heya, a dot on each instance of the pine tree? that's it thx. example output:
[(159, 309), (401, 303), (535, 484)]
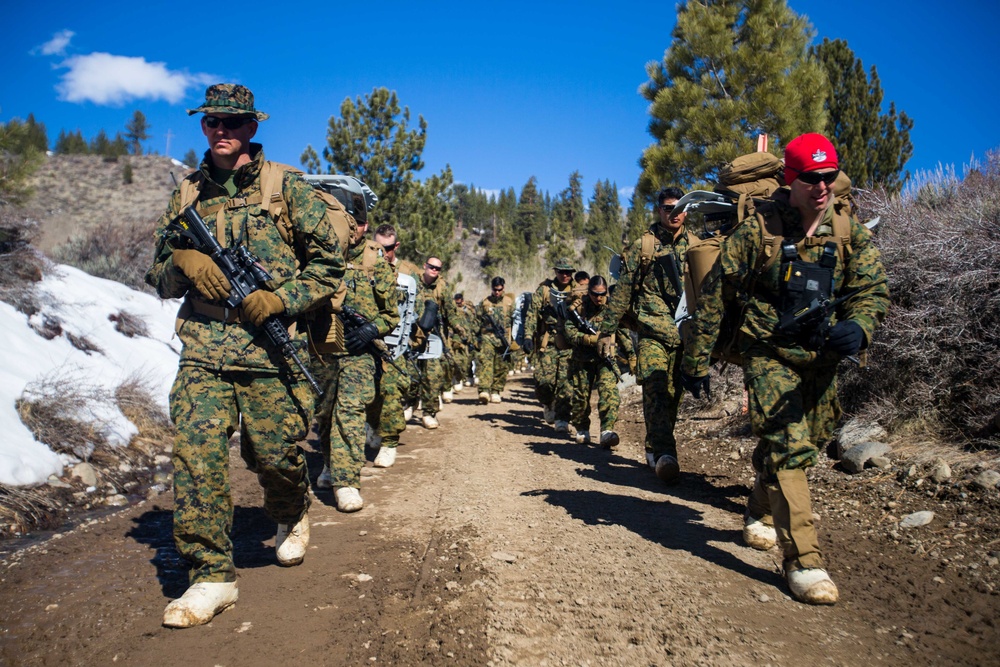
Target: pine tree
[(71, 143), (735, 69), (100, 144), (36, 134), (567, 220), (529, 216), (19, 158), (191, 159), (136, 131), (872, 147), (637, 220), (604, 226), (430, 221)]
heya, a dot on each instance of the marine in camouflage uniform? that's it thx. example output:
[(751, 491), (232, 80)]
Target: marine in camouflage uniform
[(386, 413), (587, 371), (651, 288), (229, 375), (792, 381), (493, 366), (544, 330), (351, 376), (464, 348), (433, 376)]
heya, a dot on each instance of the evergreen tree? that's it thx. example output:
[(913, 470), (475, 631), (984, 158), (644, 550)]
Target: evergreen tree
[(191, 159), (36, 134), (604, 226), (637, 220), (136, 131), (19, 158), (429, 225), (735, 69), (567, 220), (372, 140), (471, 207), (100, 144), (872, 147), (71, 143), (529, 216)]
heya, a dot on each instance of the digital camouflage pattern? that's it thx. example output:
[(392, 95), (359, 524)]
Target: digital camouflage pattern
[(463, 348), (211, 343), (207, 406), (544, 327), (433, 373), (350, 382), (229, 98), (587, 371), (792, 389), (228, 371), (492, 366), (654, 298)]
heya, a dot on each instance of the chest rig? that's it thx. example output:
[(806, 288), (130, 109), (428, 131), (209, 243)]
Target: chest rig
[(803, 286)]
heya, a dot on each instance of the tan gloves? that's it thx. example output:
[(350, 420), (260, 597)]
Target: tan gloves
[(632, 364), (260, 305), (606, 346), (590, 339), (206, 277)]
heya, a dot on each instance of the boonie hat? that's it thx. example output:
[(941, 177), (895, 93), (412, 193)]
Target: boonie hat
[(563, 264), (229, 98), (808, 152)]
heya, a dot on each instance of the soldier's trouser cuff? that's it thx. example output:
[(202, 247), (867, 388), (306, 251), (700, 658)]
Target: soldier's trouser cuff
[(390, 442), (759, 504), (792, 511)]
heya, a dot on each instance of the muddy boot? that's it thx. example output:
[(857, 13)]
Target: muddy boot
[(324, 481), (429, 421), (495, 398), (200, 604), (758, 526), (291, 541), (609, 439), (548, 414), (386, 457), (484, 397), (348, 499), (667, 468), (803, 564)]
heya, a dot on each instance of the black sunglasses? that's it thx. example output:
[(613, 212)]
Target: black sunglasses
[(564, 273), (433, 267), (234, 123), (816, 177), (389, 247), (604, 293)]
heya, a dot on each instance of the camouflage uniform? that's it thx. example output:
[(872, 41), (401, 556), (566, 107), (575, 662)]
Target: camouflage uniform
[(350, 382), (433, 374), (654, 298), (386, 414), (587, 371), (492, 365), (552, 352), (792, 390), (463, 351), (230, 376)]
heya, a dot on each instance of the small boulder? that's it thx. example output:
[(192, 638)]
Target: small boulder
[(917, 519), (855, 458), (856, 432), (941, 473), (987, 480), (85, 473)]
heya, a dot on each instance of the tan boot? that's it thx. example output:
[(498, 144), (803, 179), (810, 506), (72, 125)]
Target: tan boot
[(812, 586), (200, 603), (291, 541), (793, 523), (348, 499), (484, 397), (386, 457)]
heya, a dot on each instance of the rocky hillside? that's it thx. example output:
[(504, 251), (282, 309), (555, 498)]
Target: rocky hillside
[(73, 192)]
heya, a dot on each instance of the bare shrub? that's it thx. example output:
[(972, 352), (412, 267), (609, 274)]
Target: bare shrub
[(932, 366), (135, 399), (121, 250), (56, 408), (82, 343), (21, 266), (22, 510), (129, 325)]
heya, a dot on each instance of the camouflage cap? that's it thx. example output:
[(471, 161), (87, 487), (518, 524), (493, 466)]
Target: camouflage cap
[(229, 98), (563, 264)]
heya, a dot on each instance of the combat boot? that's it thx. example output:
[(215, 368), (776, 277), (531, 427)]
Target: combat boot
[(548, 414), (386, 457), (200, 603), (757, 534), (407, 413), (430, 421), (494, 398), (582, 438), (562, 426), (651, 460), (324, 481), (667, 468), (812, 586), (291, 541), (609, 439), (458, 387), (447, 397), (484, 397), (348, 499)]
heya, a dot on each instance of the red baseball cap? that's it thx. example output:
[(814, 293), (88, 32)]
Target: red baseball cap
[(808, 152)]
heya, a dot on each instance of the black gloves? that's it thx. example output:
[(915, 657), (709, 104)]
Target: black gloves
[(845, 338), (696, 384), (356, 340), (528, 346)]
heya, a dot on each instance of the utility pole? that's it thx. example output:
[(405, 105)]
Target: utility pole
[(169, 134)]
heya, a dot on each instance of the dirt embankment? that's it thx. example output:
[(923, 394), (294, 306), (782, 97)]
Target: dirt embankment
[(495, 542)]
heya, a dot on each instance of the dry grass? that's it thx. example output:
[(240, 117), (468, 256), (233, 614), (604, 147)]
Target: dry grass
[(56, 409), (932, 372), (22, 510), (121, 250), (21, 266)]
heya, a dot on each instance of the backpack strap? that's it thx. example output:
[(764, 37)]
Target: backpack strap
[(272, 177)]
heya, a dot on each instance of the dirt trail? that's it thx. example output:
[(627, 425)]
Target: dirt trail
[(491, 542)]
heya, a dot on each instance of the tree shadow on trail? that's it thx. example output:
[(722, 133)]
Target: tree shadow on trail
[(251, 528), (672, 526), (521, 422), (611, 468)]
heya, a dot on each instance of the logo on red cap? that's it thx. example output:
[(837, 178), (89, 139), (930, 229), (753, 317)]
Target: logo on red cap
[(819, 156)]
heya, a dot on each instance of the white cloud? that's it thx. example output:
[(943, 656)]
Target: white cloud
[(626, 193), (55, 46), (103, 78)]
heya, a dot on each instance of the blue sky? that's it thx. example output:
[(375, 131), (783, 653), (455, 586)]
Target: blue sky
[(509, 90)]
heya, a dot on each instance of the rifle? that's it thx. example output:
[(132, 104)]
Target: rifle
[(499, 333), (246, 275), (586, 326), (352, 319), (814, 317)]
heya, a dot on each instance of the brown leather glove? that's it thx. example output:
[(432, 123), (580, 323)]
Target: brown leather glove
[(590, 339), (260, 305), (206, 277), (606, 346)]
